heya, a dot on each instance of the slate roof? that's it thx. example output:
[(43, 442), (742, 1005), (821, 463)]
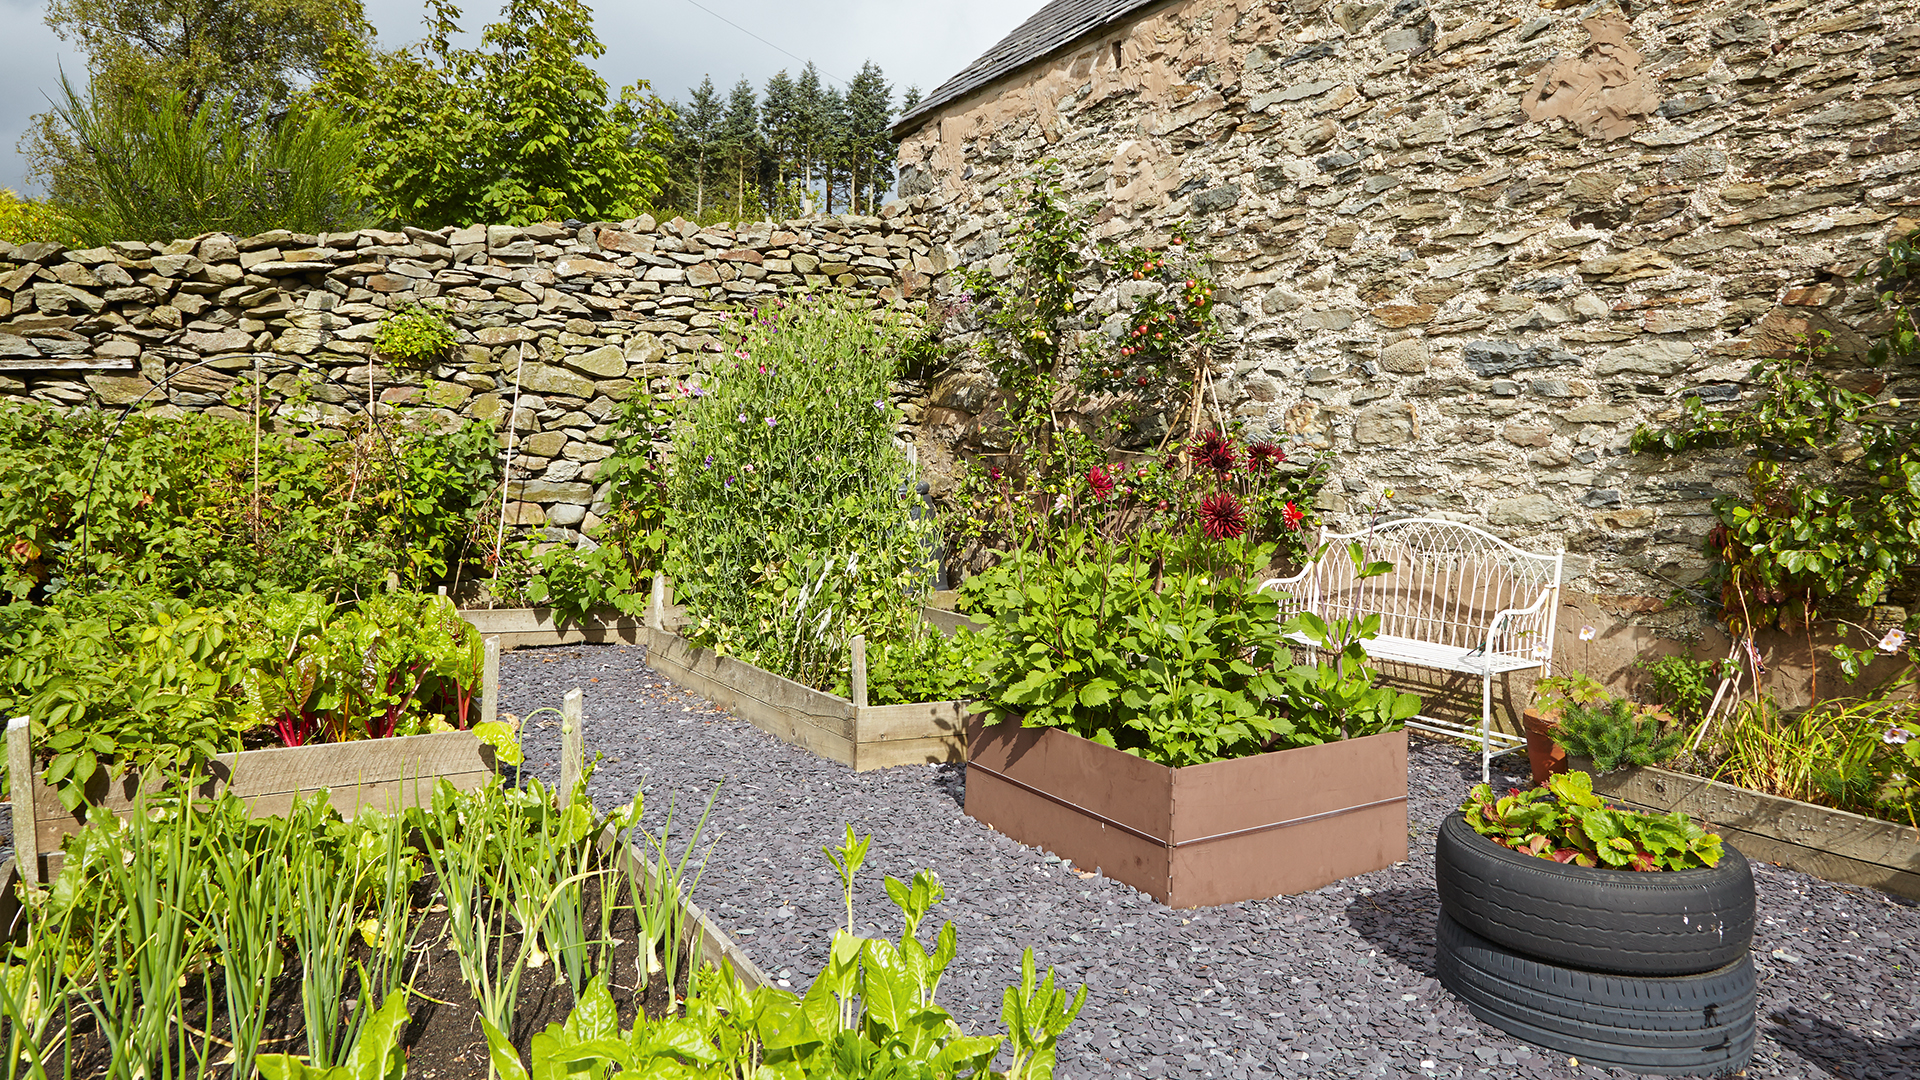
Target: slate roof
[(1053, 27)]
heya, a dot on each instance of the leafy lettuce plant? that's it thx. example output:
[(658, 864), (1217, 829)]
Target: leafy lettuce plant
[(1566, 822)]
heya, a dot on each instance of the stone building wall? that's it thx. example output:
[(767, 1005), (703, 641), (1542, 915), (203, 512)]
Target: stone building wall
[(582, 316), (1469, 246)]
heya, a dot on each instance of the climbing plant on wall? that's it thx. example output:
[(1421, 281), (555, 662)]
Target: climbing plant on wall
[(1833, 521), (1088, 391)]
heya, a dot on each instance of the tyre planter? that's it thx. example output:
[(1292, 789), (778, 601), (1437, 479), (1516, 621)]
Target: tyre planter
[(1658, 923), (1697, 1024)]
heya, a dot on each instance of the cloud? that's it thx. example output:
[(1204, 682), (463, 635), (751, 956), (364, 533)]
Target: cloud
[(670, 43)]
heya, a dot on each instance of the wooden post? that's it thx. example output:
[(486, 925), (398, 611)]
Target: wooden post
[(26, 836), (490, 683), (657, 612), (859, 688), (573, 744)]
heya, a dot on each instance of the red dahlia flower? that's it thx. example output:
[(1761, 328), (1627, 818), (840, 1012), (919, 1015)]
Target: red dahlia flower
[(1293, 516), (1216, 453), (1262, 456), (1222, 517), (1100, 482)]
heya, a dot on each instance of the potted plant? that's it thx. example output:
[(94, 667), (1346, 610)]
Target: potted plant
[(1551, 696), (1574, 720), (1619, 937)]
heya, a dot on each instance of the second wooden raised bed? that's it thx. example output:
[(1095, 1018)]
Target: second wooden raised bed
[(1830, 844), (862, 736), (1200, 836)]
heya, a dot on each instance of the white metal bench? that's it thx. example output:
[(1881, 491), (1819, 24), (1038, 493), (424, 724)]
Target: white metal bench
[(1457, 599)]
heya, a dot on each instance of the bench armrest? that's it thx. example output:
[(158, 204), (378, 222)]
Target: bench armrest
[(1505, 616), (1301, 576)]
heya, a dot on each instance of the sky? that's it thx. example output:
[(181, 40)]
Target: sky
[(671, 43)]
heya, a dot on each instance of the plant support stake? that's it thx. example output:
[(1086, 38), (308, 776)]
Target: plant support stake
[(26, 837), (573, 746), (490, 682), (858, 689)]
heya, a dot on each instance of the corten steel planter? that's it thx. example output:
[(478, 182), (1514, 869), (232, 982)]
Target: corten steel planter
[(1286, 822)]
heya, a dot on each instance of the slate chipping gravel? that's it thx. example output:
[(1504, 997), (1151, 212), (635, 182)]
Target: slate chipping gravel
[(1334, 983)]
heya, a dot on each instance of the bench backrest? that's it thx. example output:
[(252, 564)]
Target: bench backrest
[(1450, 583)]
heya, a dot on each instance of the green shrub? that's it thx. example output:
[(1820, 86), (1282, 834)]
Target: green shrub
[(163, 169), (24, 221), (1615, 734), (788, 500), (415, 334)]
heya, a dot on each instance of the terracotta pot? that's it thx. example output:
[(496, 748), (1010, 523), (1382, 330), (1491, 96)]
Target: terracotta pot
[(1545, 756)]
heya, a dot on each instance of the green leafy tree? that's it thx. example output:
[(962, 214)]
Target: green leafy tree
[(811, 134), (518, 130), (780, 125)]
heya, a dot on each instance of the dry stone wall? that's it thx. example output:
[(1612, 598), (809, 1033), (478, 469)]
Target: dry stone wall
[(1469, 246), (573, 319)]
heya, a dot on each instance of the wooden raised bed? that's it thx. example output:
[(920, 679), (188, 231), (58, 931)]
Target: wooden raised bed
[(1830, 844), (519, 628), (862, 736), (1200, 836), (385, 774)]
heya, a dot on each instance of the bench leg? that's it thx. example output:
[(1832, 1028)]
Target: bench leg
[(1486, 727)]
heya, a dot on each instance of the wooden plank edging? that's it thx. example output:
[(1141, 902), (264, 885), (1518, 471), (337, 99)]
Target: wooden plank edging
[(1834, 845), (519, 628), (862, 737), (387, 773)]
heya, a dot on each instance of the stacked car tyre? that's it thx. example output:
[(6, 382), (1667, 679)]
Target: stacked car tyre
[(1650, 972)]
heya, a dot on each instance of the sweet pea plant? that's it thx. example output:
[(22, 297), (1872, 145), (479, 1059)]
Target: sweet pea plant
[(1566, 822), (788, 497)]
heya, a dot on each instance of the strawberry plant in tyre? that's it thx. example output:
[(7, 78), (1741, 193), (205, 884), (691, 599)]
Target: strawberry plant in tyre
[(1616, 937)]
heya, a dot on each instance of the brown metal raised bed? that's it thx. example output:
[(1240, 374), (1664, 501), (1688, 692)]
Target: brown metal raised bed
[(1286, 822)]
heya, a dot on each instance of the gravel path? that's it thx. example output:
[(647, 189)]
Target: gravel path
[(1337, 982)]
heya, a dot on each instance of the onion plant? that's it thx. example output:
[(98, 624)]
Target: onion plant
[(657, 882), (36, 995), (145, 942), (244, 894)]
